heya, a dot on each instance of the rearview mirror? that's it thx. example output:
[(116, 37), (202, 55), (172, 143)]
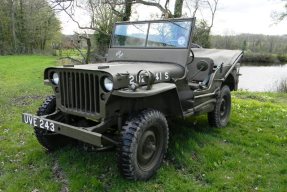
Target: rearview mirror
[(202, 65)]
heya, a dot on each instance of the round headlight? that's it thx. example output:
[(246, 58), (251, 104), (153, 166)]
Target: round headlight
[(55, 78), (108, 84)]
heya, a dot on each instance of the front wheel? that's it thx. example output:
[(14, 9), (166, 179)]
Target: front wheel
[(49, 140), (219, 117), (143, 144)]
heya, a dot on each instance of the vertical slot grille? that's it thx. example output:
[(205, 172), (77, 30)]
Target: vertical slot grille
[(80, 91)]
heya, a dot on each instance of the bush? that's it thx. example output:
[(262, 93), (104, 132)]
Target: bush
[(264, 58), (282, 58), (282, 86), (259, 58)]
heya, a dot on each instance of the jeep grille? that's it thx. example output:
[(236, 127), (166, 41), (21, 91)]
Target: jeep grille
[(79, 91)]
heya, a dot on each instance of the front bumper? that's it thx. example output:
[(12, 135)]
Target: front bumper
[(80, 133)]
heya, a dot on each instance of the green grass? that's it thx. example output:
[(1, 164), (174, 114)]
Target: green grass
[(71, 53), (248, 155)]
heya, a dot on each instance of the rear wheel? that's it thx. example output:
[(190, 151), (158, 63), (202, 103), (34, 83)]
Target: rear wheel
[(49, 140), (143, 144), (219, 117)]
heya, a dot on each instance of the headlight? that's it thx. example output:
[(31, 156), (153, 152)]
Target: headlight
[(108, 84), (55, 78)]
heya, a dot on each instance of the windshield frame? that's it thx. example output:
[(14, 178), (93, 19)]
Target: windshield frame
[(149, 22)]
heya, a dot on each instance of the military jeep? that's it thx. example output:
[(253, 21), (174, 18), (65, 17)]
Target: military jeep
[(153, 73)]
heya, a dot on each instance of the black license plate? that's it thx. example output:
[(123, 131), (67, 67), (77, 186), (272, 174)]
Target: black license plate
[(38, 122)]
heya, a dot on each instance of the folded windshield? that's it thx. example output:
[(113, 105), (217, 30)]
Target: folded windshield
[(164, 34)]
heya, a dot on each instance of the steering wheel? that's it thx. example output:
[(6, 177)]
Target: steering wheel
[(192, 55)]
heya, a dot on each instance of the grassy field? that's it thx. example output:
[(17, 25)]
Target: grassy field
[(248, 155)]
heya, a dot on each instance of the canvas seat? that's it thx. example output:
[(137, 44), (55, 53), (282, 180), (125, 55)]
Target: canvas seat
[(199, 79)]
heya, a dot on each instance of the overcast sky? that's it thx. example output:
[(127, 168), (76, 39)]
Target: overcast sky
[(248, 16), (233, 17)]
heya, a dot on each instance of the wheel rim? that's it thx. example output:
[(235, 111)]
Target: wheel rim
[(149, 149), (223, 108)]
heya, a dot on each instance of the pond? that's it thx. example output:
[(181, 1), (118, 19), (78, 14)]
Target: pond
[(262, 78)]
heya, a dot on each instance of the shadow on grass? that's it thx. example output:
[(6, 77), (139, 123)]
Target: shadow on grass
[(186, 138), (99, 169)]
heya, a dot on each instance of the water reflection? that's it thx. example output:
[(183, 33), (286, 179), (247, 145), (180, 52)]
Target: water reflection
[(261, 78)]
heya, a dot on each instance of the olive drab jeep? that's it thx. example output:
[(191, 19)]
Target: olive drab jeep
[(153, 73)]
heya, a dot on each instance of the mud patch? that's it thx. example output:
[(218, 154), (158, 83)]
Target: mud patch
[(25, 100), (60, 176)]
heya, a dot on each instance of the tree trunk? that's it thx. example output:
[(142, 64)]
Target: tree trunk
[(22, 32), (178, 8), (128, 10), (88, 56), (13, 25)]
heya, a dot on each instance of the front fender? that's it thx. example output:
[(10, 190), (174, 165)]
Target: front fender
[(143, 92), (163, 97)]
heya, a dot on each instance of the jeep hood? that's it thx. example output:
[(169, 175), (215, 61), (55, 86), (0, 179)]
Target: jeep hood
[(134, 67), (124, 73)]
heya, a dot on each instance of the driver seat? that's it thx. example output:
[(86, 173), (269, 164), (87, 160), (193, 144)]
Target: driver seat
[(199, 79)]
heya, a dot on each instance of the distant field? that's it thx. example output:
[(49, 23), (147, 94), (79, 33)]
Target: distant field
[(248, 155)]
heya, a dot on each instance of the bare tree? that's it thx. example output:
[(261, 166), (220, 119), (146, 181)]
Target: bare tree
[(70, 7), (104, 13), (280, 16), (204, 25), (192, 6), (212, 5), (163, 6), (101, 17), (166, 13), (127, 6), (199, 5)]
